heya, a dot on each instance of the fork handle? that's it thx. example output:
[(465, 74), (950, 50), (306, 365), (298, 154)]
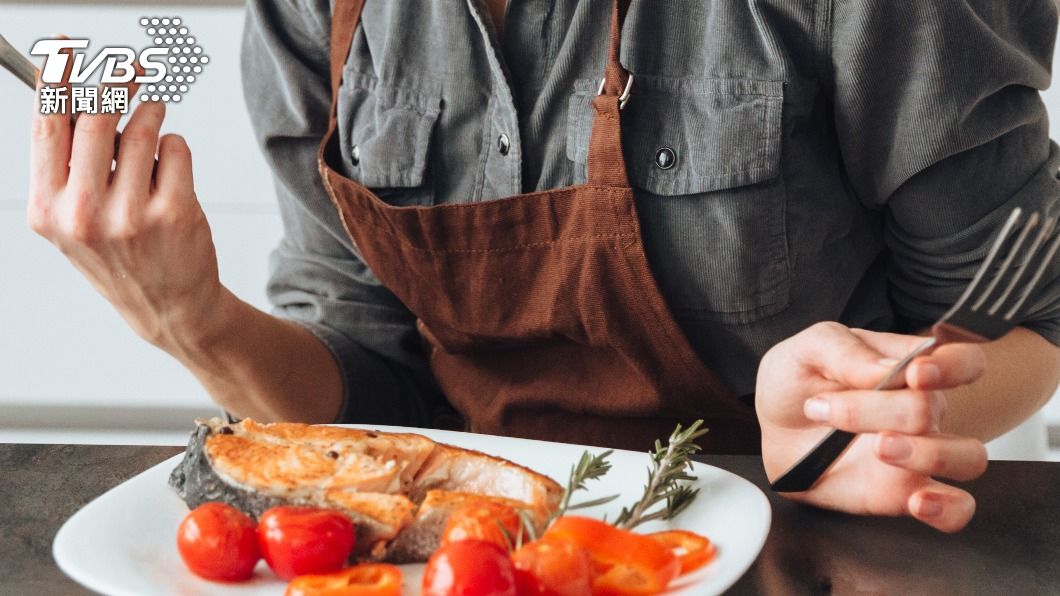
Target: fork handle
[(805, 473)]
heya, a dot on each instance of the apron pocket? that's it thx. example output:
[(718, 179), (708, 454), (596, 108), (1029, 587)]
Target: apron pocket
[(703, 156), (385, 136)]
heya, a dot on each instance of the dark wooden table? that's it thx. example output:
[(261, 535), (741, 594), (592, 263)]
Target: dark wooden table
[(1012, 546)]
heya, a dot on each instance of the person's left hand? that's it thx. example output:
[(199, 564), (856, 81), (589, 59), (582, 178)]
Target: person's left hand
[(823, 378)]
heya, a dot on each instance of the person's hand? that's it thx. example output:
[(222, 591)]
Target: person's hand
[(137, 233), (823, 378)]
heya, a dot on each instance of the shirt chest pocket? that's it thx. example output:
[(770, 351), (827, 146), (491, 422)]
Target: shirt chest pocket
[(703, 157), (385, 138)]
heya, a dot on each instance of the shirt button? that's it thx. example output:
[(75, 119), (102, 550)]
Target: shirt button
[(355, 155), (503, 144), (665, 158)]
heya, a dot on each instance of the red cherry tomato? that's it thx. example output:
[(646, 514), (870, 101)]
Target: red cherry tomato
[(549, 567), (301, 540), (218, 542), (469, 568)]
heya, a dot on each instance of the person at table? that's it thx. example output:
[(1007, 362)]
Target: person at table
[(813, 183)]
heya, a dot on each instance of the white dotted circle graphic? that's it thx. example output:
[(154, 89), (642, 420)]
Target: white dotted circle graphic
[(183, 57)]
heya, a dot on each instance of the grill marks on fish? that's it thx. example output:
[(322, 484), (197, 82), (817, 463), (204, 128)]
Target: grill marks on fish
[(396, 487)]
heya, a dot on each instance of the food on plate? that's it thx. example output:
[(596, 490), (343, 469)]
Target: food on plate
[(492, 521), (365, 579), (693, 551), (627, 562), (219, 543), (469, 568), (303, 540), (549, 567), (486, 527), (396, 488)]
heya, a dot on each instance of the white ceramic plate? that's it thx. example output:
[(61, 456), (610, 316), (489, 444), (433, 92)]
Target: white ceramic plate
[(124, 542)]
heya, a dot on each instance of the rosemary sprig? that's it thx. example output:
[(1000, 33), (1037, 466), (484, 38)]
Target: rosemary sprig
[(667, 478), (589, 467)]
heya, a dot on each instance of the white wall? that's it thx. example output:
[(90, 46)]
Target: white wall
[(61, 345)]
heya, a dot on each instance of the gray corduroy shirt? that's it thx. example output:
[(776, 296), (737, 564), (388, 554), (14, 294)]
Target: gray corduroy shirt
[(794, 161)]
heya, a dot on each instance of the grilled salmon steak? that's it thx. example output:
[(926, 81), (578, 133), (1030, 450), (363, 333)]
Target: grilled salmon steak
[(397, 488)]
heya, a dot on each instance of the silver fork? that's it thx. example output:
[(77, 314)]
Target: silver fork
[(981, 314), (19, 65)]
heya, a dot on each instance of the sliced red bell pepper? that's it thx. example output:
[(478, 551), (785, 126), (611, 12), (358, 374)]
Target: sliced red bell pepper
[(629, 563), (692, 550), (368, 579)]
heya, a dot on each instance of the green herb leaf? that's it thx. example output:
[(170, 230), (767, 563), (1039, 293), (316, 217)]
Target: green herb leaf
[(589, 467), (666, 478)]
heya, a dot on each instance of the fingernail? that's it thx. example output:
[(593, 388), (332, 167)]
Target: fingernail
[(930, 373), (888, 362), (895, 448), (930, 506), (816, 409)]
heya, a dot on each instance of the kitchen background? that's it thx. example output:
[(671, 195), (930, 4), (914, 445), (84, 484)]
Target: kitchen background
[(70, 369)]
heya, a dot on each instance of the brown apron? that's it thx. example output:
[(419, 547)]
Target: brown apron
[(540, 315)]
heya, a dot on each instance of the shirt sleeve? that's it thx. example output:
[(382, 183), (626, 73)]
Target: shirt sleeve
[(942, 128), (317, 278)]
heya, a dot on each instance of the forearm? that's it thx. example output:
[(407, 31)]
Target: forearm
[(256, 365), (1021, 375)]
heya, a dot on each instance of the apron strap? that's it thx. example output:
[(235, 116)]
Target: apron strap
[(606, 165)]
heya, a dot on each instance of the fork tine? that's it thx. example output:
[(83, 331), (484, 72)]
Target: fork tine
[(1047, 260), (1006, 266), (995, 249), (1027, 264)]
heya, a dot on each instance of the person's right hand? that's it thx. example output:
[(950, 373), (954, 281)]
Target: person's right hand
[(135, 231)]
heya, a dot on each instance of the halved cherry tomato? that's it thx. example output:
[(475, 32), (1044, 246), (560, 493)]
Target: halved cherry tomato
[(552, 567), (469, 568), (302, 540), (692, 550), (629, 563), (482, 520), (218, 542), (368, 579)]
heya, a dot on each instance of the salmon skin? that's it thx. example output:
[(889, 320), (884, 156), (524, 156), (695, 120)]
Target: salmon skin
[(397, 488)]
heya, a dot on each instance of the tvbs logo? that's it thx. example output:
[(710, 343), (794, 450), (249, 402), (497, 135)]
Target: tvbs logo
[(166, 68)]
